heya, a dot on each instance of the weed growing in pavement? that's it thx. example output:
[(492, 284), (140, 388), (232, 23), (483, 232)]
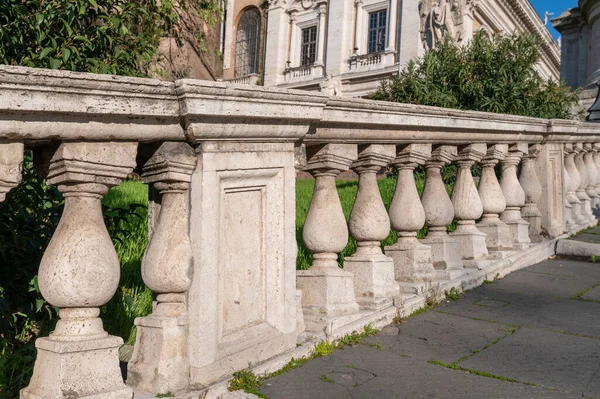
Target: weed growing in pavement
[(324, 377)]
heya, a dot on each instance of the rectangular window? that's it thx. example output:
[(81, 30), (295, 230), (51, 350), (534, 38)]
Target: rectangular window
[(377, 28), (308, 49)]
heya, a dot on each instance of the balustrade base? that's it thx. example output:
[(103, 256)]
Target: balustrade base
[(472, 242), (445, 252), (412, 261), (160, 363), (374, 281), (326, 292), (77, 369), (535, 227), (519, 231), (337, 327), (497, 233)]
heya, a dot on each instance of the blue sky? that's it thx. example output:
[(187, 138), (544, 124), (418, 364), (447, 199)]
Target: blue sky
[(555, 6)]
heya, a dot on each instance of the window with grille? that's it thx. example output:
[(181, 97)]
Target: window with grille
[(247, 40), (377, 28), (308, 49)]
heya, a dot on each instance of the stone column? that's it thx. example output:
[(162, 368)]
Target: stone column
[(497, 232), (293, 56), (374, 282), (596, 159), (276, 47), (412, 260), (327, 290), (574, 181), (322, 13), (592, 172), (570, 224), (533, 191), (439, 212), (79, 272), (467, 204), (11, 165), (586, 203), (515, 196), (358, 31), (160, 358)]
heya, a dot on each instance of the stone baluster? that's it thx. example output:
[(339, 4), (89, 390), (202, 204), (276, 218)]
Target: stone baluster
[(592, 172), (79, 272), (533, 191), (160, 363), (412, 260), (586, 202), (497, 232), (574, 180), (467, 204), (327, 290), (439, 212), (515, 196), (374, 282), (596, 159), (11, 164), (570, 224)]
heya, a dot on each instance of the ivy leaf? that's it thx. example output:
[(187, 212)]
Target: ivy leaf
[(45, 52)]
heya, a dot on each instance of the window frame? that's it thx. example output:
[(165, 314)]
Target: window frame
[(306, 45), (250, 56)]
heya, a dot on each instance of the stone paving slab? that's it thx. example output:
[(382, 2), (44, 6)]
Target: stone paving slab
[(566, 362), (592, 295), (380, 374), (439, 336), (510, 329), (586, 237), (527, 310)]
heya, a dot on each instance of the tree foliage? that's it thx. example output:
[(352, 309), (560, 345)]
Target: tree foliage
[(493, 75), (102, 36)]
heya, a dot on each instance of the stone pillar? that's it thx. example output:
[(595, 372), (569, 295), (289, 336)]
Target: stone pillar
[(439, 212), (327, 290), (412, 260), (515, 196), (79, 272), (596, 159), (374, 282), (467, 204), (276, 46), (549, 167), (586, 203), (570, 224), (492, 198), (294, 55), (592, 172), (574, 181), (160, 358), (392, 35), (533, 191), (358, 32), (11, 165), (322, 12)]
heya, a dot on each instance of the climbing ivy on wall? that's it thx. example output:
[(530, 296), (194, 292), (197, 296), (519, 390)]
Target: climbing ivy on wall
[(102, 36)]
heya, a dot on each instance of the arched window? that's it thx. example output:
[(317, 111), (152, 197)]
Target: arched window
[(247, 43)]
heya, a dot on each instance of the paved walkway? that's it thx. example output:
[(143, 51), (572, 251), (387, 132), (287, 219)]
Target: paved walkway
[(533, 334)]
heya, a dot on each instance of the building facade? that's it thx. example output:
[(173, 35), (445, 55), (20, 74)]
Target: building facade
[(346, 47), (580, 49)]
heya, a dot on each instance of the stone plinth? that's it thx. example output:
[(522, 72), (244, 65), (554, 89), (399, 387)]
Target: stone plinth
[(242, 197)]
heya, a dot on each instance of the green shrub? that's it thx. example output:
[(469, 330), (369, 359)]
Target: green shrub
[(103, 36), (493, 75)]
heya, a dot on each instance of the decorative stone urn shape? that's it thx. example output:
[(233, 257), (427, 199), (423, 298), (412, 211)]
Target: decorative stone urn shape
[(412, 260), (497, 232), (574, 181), (467, 204), (515, 196), (79, 273), (533, 192), (11, 165), (582, 194), (159, 362), (592, 172), (374, 282), (439, 212), (327, 290)]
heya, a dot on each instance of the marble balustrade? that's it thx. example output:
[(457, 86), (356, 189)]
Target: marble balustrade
[(221, 161)]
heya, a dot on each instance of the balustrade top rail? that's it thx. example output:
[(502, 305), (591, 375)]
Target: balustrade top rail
[(41, 105)]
